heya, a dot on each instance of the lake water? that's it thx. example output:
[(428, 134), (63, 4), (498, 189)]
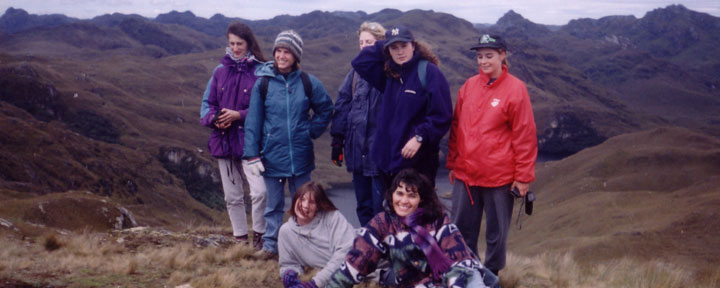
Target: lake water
[(343, 196)]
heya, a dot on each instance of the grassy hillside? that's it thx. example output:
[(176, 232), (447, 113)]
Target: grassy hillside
[(650, 196)]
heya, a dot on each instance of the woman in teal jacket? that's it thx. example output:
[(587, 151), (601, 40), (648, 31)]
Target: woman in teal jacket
[(279, 129)]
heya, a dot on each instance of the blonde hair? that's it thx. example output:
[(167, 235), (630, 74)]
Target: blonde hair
[(374, 28)]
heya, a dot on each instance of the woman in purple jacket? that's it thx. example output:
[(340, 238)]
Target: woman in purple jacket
[(228, 101), (412, 116)]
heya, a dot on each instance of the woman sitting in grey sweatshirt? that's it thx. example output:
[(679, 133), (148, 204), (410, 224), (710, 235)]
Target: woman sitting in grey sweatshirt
[(316, 235)]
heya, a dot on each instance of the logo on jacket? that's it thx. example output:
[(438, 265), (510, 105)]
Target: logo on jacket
[(495, 102)]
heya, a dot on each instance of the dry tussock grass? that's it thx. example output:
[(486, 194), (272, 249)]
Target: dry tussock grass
[(89, 254), (550, 270), (100, 256)]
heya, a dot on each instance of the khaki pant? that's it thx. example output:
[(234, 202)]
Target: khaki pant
[(232, 182)]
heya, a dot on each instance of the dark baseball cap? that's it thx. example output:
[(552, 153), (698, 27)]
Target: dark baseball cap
[(397, 34), (490, 41)]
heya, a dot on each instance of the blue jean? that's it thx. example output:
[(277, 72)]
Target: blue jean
[(276, 204), (369, 196)]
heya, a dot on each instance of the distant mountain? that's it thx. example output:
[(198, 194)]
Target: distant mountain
[(357, 15), (312, 25), (664, 64), (214, 26), (515, 24), (14, 20), (114, 20), (179, 41)]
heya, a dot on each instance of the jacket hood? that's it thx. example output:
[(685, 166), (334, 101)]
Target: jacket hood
[(266, 69), (242, 65)]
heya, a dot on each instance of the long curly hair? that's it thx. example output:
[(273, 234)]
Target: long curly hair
[(420, 48)]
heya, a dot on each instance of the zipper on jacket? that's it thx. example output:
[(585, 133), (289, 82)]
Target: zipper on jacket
[(287, 110)]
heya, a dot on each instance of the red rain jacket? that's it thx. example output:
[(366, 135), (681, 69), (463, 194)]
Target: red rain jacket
[(492, 138)]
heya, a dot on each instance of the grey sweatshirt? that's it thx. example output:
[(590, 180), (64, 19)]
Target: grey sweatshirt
[(322, 243)]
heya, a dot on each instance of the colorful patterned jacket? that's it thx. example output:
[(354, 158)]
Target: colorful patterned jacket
[(386, 238)]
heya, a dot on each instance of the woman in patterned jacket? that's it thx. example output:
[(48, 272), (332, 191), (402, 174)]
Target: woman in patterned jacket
[(416, 237)]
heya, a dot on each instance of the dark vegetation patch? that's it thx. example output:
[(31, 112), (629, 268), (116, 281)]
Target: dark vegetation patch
[(197, 175)]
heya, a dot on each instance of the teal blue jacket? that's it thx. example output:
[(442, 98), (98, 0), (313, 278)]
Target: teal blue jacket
[(279, 129)]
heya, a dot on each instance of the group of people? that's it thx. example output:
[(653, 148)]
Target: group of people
[(391, 112)]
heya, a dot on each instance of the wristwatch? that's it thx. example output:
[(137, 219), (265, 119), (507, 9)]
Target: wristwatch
[(418, 138)]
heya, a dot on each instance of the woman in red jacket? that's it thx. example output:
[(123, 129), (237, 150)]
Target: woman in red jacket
[(492, 150)]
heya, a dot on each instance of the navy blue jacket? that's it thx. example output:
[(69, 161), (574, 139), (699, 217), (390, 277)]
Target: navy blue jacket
[(404, 110), (355, 122)]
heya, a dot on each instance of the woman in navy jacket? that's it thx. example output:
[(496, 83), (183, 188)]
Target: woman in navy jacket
[(353, 130), (412, 119)]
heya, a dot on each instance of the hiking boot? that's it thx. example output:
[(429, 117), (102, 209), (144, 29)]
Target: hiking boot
[(257, 241), (242, 240), (263, 254)]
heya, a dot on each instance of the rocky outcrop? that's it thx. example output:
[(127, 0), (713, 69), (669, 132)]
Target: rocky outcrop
[(566, 135), (200, 176), (78, 211), (20, 86)]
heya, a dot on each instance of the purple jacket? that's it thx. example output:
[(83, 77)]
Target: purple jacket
[(231, 88)]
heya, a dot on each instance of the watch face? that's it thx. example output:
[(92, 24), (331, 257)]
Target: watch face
[(418, 138)]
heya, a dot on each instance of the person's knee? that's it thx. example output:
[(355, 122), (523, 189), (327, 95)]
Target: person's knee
[(234, 199)]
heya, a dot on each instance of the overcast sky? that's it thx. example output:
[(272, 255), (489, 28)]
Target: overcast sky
[(556, 12)]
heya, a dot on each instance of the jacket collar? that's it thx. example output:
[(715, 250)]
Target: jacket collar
[(244, 64), (407, 66), (484, 78)]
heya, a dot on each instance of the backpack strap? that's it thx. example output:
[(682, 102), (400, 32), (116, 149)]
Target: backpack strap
[(264, 82), (422, 72), (307, 84)]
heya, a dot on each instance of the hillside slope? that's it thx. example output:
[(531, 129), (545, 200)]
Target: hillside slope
[(650, 195)]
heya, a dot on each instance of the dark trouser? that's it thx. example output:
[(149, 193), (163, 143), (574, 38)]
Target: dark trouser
[(369, 196), (427, 165), (497, 203)]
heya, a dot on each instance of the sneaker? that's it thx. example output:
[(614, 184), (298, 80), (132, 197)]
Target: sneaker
[(257, 241), (242, 240), (263, 254)]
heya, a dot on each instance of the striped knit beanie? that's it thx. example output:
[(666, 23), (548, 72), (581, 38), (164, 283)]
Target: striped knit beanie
[(291, 40)]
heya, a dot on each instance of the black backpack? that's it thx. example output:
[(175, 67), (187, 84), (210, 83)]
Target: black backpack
[(265, 81)]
